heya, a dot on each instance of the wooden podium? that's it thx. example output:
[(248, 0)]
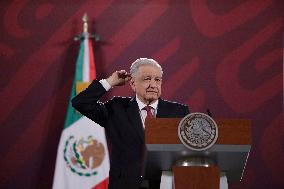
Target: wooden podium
[(164, 149)]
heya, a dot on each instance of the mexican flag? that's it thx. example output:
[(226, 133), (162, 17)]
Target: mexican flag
[(82, 156)]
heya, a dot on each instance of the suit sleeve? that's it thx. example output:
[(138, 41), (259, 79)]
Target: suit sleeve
[(87, 103)]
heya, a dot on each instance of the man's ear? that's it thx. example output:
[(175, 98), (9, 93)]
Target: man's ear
[(132, 84)]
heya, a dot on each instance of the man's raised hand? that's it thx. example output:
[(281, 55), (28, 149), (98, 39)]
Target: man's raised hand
[(118, 78)]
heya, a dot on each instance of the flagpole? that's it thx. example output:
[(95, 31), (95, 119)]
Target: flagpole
[(85, 32), (86, 38), (85, 23)]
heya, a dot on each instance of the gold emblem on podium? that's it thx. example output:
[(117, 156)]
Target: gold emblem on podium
[(198, 131)]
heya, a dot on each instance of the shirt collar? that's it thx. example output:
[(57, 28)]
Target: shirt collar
[(142, 105)]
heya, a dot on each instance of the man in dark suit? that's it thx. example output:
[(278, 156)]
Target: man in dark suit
[(123, 118)]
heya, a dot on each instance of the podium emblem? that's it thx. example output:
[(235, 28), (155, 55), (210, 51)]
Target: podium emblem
[(198, 131)]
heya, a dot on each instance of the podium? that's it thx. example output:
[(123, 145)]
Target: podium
[(229, 153)]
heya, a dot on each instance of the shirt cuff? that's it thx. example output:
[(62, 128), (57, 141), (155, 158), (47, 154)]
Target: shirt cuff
[(105, 84)]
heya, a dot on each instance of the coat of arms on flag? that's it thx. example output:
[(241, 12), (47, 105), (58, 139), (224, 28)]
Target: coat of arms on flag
[(83, 156)]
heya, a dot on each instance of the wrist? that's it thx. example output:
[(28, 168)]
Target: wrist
[(110, 81), (105, 84)]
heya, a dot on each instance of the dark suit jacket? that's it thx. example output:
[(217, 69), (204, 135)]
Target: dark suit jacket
[(122, 122)]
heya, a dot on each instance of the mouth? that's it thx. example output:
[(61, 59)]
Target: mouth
[(152, 92)]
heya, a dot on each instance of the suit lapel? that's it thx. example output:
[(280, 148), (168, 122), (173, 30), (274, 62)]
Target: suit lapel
[(135, 119)]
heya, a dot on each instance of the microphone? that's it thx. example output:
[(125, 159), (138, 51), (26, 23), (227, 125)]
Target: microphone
[(209, 113)]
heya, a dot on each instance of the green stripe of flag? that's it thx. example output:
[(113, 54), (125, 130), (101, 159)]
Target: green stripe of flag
[(72, 115)]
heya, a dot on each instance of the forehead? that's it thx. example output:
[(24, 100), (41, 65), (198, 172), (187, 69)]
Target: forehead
[(151, 70)]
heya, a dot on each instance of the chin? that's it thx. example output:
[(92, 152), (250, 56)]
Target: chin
[(152, 98)]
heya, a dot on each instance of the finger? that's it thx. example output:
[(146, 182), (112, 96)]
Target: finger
[(121, 72), (128, 78), (126, 75)]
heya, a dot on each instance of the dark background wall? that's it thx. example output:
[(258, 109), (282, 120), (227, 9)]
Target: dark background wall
[(218, 54)]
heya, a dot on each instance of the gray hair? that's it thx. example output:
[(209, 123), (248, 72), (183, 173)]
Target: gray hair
[(143, 61)]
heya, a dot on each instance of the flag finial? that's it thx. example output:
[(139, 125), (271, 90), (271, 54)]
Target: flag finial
[(85, 23)]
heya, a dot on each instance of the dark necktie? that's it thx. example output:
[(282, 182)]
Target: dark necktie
[(149, 115), (149, 112)]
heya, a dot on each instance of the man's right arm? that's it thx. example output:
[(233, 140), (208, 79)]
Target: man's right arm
[(87, 102)]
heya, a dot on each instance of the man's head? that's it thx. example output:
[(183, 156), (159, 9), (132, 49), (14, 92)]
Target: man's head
[(146, 79)]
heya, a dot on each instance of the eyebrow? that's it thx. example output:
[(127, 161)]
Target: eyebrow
[(146, 76)]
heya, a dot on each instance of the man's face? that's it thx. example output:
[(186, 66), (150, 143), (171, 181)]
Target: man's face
[(147, 83)]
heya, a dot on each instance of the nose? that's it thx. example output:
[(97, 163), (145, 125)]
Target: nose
[(152, 83)]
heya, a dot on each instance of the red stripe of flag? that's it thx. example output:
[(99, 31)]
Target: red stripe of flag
[(92, 62), (102, 185)]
